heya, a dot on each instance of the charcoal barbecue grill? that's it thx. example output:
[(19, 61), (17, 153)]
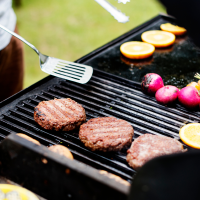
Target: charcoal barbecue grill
[(114, 90)]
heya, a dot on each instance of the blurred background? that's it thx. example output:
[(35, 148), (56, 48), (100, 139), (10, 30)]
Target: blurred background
[(70, 29)]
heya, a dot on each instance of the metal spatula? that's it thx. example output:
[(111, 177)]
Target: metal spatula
[(61, 68)]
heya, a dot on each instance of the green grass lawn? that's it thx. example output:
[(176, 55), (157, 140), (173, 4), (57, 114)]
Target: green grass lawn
[(69, 29)]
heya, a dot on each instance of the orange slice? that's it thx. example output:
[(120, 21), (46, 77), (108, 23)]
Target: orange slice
[(137, 50), (176, 30), (194, 84), (190, 135), (158, 38)]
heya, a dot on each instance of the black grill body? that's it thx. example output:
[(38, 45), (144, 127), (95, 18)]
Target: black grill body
[(105, 94), (54, 176)]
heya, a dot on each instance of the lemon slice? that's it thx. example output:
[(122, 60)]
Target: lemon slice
[(137, 50), (158, 38), (176, 30), (8, 191), (190, 135)]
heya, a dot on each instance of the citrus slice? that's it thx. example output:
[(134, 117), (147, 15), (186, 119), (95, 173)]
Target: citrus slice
[(190, 135), (8, 191), (158, 38), (194, 84), (176, 30), (137, 50)]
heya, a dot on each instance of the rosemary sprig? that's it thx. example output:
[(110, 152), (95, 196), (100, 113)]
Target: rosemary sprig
[(197, 75)]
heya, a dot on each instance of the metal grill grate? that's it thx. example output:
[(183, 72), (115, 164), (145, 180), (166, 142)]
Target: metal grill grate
[(104, 95), (107, 95)]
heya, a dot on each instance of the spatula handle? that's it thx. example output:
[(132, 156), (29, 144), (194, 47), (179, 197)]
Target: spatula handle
[(21, 38)]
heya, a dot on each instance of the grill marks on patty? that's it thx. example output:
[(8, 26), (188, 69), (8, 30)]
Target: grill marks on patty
[(59, 114), (106, 134), (103, 129), (58, 109)]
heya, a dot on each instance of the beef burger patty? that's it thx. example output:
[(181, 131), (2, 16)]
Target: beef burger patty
[(149, 146), (59, 114), (106, 134)]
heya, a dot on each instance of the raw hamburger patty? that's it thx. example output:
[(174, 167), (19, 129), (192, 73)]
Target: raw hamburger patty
[(149, 146), (106, 134), (59, 114)]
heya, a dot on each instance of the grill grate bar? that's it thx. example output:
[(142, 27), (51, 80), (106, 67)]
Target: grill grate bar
[(88, 114), (78, 147), (25, 110), (99, 100), (42, 98), (22, 115), (145, 98), (130, 104), (112, 169), (30, 118), (176, 124), (115, 170), (134, 111), (18, 129), (140, 128), (4, 129), (25, 118), (133, 121), (2, 136), (98, 103), (124, 101)]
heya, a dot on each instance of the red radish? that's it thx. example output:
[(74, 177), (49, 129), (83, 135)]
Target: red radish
[(151, 83), (189, 97), (167, 94)]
